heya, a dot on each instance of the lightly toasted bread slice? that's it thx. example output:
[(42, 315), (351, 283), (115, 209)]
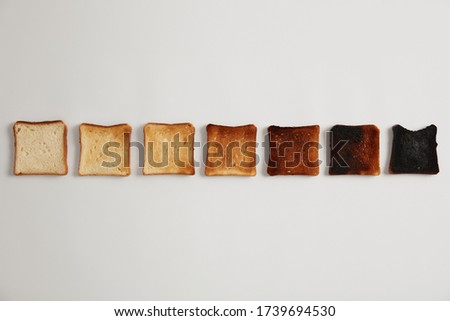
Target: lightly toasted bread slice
[(231, 150), (40, 148), (169, 149), (104, 150)]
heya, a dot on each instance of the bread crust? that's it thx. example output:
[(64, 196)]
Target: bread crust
[(238, 145), (361, 153), (157, 133), (294, 150), (126, 128), (66, 166)]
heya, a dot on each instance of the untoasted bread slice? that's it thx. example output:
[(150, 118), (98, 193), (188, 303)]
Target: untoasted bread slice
[(105, 150), (231, 150), (169, 149), (40, 148)]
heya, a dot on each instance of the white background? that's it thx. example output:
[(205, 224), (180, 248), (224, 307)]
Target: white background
[(227, 62)]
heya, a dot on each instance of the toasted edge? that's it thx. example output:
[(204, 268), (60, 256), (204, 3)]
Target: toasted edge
[(209, 126)]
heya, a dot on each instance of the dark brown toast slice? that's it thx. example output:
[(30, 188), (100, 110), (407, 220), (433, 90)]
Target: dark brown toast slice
[(355, 150), (294, 150)]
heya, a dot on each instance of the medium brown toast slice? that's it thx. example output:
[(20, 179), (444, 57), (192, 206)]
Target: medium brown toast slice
[(40, 148), (104, 150), (169, 149), (231, 150)]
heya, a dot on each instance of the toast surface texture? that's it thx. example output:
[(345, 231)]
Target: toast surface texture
[(414, 152), (355, 150), (40, 148), (294, 150), (169, 149), (231, 150), (104, 150)]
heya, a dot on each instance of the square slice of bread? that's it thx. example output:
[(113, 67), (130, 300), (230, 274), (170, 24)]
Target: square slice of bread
[(294, 150), (355, 150), (105, 150), (169, 149), (231, 151), (40, 148), (414, 152)]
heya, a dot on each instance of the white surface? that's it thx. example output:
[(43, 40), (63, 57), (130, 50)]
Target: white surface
[(227, 62)]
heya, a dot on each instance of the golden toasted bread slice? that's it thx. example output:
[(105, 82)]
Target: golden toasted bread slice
[(294, 150), (105, 150), (231, 151), (40, 148), (169, 149)]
